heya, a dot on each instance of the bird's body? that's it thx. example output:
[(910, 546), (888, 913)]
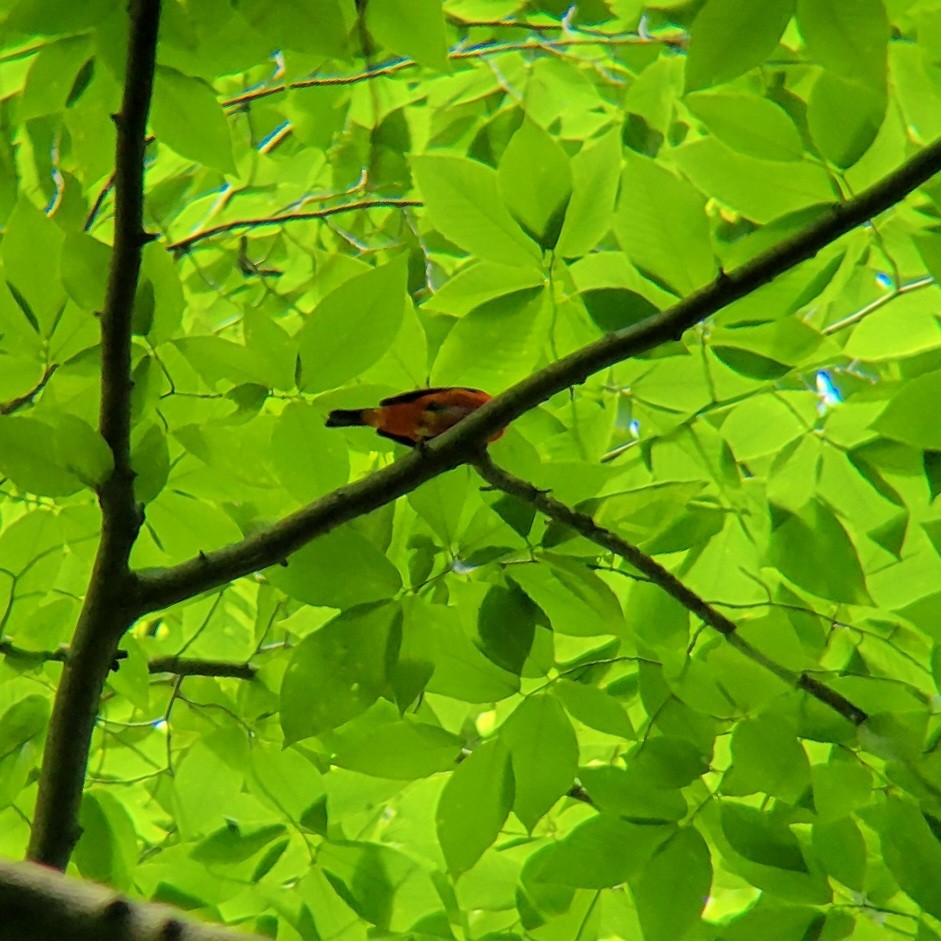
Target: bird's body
[(413, 417)]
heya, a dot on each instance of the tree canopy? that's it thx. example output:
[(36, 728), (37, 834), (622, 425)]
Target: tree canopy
[(660, 663)]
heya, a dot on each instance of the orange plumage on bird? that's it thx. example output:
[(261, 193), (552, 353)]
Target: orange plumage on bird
[(414, 417)]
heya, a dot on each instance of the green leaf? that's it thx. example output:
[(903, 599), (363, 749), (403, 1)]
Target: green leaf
[(614, 309), (413, 28), (840, 787), (187, 118), (506, 627), (403, 750), (268, 341), (729, 37), (843, 118), (596, 173), (600, 853), (903, 328), (30, 235), (23, 721), (287, 26), (29, 456), (748, 124), (761, 190), (474, 805), (150, 461), (82, 80), (338, 671), (382, 885), (218, 360), (848, 37), (84, 265), (908, 416), (234, 843), (320, 572), (437, 636), (624, 793), (841, 848), (52, 75), (536, 182), (462, 198), (496, 344), (83, 451), (667, 762), (661, 224), (107, 849), (673, 888), (594, 707), (767, 757), (286, 779), (352, 327), (308, 458), (912, 852), (573, 598), (772, 920), (760, 838), (544, 754), (32, 16), (161, 274), (817, 554)]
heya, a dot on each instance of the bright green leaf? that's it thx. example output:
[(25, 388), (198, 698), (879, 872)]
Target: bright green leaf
[(338, 671), (352, 327), (187, 118), (463, 199), (544, 754), (474, 805)]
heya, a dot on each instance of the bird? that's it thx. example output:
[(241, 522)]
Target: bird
[(411, 418)]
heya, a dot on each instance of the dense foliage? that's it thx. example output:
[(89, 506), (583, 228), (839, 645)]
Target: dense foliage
[(453, 717)]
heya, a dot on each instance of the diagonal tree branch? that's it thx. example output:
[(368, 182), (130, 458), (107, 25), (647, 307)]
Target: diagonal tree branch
[(582, 523), (107, 611), (163, 587), (27, 398)]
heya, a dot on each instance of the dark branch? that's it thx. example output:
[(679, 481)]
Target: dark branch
[(190, 666), (160, 588), (653, 570), (186, 244), (27, 398), (33, 657), (107, 612), (38, 904)]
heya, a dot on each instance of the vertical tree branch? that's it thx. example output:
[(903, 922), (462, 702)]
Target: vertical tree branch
[(109, 609)]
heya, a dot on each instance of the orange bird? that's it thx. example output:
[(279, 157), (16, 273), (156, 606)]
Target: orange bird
[(413, 417)]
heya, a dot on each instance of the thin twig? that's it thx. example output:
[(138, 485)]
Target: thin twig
[(879, 302), (456, 55), (186, 244), (587, 527), (8, 408)]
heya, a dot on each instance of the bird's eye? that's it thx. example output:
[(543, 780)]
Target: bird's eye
[(436, 406)]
